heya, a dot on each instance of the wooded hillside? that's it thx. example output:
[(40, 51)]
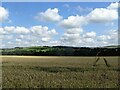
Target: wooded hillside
[(61, 51)]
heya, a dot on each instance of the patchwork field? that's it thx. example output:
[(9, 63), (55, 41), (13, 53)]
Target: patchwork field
[(58, 72)]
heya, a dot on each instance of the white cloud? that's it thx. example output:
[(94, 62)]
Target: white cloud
[(4, 14), (89, 38), (113, 6), (2, 31), (55, 43), (89, 41), (12, 29), (113, 34), (74, 30), (36, 35), (49, 15), (90, 35), (9, 37), (103, 37), (72, 36), (21, 30), (44, 32), (1, 37), (73, 22), (9, 42), (70, 39), (98, 15), (9, 29), (21, 36), (18, 40), (102, 15), (39, 30), (79, 39), (46, 39), (110, 38)]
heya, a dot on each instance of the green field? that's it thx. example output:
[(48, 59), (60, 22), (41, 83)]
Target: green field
[(58, 72)]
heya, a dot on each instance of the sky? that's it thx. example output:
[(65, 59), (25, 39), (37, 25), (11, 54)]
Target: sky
[(79, 24)]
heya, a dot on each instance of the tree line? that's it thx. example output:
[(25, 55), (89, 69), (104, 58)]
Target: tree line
[(60, 51)]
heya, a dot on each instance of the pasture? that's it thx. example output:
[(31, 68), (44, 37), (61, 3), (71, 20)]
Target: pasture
[(58, 72)]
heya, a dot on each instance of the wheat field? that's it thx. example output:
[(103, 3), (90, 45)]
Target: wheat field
[(58, 72)]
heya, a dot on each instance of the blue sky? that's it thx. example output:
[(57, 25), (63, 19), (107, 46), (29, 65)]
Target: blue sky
[(26, 11), (68, 23)]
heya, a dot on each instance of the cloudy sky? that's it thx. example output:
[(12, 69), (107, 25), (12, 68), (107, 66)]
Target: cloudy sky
[(67, 24)]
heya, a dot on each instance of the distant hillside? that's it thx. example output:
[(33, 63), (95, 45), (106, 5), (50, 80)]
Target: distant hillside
[(113, 46), (61, 51)]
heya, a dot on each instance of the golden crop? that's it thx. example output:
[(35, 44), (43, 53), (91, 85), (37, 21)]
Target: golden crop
[(58, 72)]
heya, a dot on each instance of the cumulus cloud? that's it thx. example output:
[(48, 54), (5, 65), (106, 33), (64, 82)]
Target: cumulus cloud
[(78, 39), (101, 15), (45, 39), (4, 14), (89, 38), (2, 31), (9, 29), (9, 37), (72, 36), (89, 41), (98, 15), (74, 30), (113, 6), (49, 15), (110, 37), (21, 30), (21, 36), (73, 22), (16, 30), (18, 40), (113, 34), (43, 32), (104, 37), (55, 43), (90, 35)]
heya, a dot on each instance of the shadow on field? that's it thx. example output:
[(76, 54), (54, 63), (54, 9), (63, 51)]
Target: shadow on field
[(69, 69), (54, 69), (59, 69)]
